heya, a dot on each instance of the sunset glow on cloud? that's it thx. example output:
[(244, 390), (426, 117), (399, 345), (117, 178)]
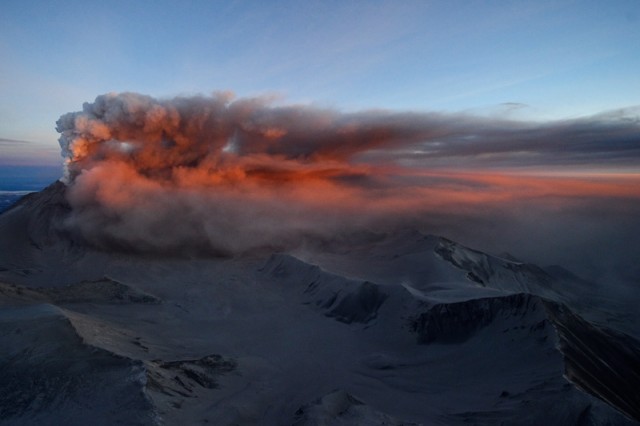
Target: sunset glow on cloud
[(211, 173)]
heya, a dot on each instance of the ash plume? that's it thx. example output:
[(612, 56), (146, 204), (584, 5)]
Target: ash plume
[(207, 172), (214, 174)]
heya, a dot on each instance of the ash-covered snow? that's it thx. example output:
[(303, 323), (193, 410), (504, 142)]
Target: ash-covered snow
[(378, 329), (49, 375)]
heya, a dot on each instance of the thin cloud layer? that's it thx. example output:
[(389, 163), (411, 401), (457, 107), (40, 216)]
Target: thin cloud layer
[(217, 175)]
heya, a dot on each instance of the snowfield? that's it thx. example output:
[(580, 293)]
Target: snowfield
[(401, 329)]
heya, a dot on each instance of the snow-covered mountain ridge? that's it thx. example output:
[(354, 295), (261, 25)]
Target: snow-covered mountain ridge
[(375, 329)]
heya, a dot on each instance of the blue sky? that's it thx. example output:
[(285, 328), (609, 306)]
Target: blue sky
[(516, 59)]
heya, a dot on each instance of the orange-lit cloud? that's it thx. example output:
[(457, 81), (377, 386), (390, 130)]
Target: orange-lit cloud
[(208, 174)]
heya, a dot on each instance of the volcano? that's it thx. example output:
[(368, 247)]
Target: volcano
[(395, 328)]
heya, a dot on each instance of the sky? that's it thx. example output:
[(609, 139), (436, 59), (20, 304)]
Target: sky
[(541, 61)]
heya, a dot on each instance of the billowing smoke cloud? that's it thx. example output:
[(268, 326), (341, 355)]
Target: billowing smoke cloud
[(210, 174), (158, 135), (217, 175)]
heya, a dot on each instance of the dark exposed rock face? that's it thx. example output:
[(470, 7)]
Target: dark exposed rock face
[(455, 322), (43, 214), (180, 377), (599, 361)]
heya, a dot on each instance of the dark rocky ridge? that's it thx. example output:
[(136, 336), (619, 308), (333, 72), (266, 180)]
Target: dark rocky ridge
[(599, 361), (347, 301)]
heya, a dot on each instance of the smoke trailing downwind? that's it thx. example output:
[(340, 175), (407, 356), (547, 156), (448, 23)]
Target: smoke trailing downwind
[(223, 175)]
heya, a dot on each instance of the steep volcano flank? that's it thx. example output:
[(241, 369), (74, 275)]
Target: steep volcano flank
[(38, 217), (598, 361)]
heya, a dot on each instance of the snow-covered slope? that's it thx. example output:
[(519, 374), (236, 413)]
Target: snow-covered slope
[(49, 375), (375, 329), (339, 408)]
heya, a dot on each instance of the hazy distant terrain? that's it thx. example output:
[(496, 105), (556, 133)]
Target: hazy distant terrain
[(8, 198), (16, 182)]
